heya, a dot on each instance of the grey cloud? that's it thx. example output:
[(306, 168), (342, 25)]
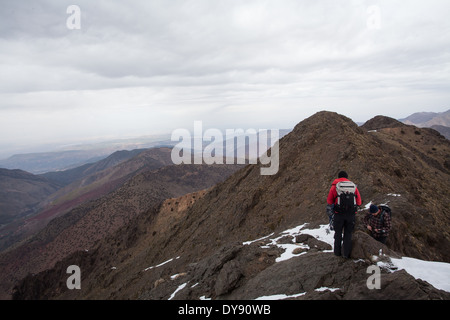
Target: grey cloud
[(229, 55)]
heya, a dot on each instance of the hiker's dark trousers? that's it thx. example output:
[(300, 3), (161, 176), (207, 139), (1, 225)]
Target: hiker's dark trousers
[(381, 239), (343, 223)]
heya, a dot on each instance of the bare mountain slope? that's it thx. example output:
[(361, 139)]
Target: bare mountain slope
[(90, 222), (79, 185), (202, 250), (66, 177), (21, 192), (103, 177)]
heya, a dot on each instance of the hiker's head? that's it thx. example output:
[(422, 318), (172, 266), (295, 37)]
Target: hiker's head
[(373, 209), (343, 174)]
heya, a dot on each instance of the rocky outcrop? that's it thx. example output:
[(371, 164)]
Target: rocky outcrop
[(396, 286), (365, 247), (314, 275)]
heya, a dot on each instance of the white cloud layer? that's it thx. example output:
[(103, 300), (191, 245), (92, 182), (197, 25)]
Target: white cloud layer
[(137, 67)]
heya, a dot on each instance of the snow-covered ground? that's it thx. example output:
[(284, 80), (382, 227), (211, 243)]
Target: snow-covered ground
[(435, 273), (180, 287), (280, 296), (161, 264), (284, 296), (322, 233)]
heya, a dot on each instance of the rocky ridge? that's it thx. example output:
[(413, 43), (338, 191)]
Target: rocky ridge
[(207, 248)]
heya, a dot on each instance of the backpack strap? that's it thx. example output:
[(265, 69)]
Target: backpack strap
[(382, 217)]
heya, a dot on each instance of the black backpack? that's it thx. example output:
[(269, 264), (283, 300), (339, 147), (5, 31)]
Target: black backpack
[(346, 202), (384, 210)]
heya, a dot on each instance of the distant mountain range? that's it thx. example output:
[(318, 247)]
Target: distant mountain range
[(60, 191), (21, 192), (428, 119), (226, 232), (440, 121), (71, 188), (74, 156)]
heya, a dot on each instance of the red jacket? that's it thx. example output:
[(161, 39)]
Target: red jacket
[(332, 195)]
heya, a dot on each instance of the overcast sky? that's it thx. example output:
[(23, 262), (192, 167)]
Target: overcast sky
[(144, 67)]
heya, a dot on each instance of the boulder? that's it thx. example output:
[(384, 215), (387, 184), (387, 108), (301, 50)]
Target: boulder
[(365, 247), (398, 285), (314, 243), (228, 277)]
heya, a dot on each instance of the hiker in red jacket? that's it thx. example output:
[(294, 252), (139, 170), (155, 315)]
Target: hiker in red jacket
[(344, 197)]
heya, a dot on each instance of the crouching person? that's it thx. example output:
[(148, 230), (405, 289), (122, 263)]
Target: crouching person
[(378, 222)]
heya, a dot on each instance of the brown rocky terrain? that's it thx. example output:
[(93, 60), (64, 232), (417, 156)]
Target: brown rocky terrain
[(445, 131), (99, 179), (21, 192), (190, 249), (83, 226), (76, 186)]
